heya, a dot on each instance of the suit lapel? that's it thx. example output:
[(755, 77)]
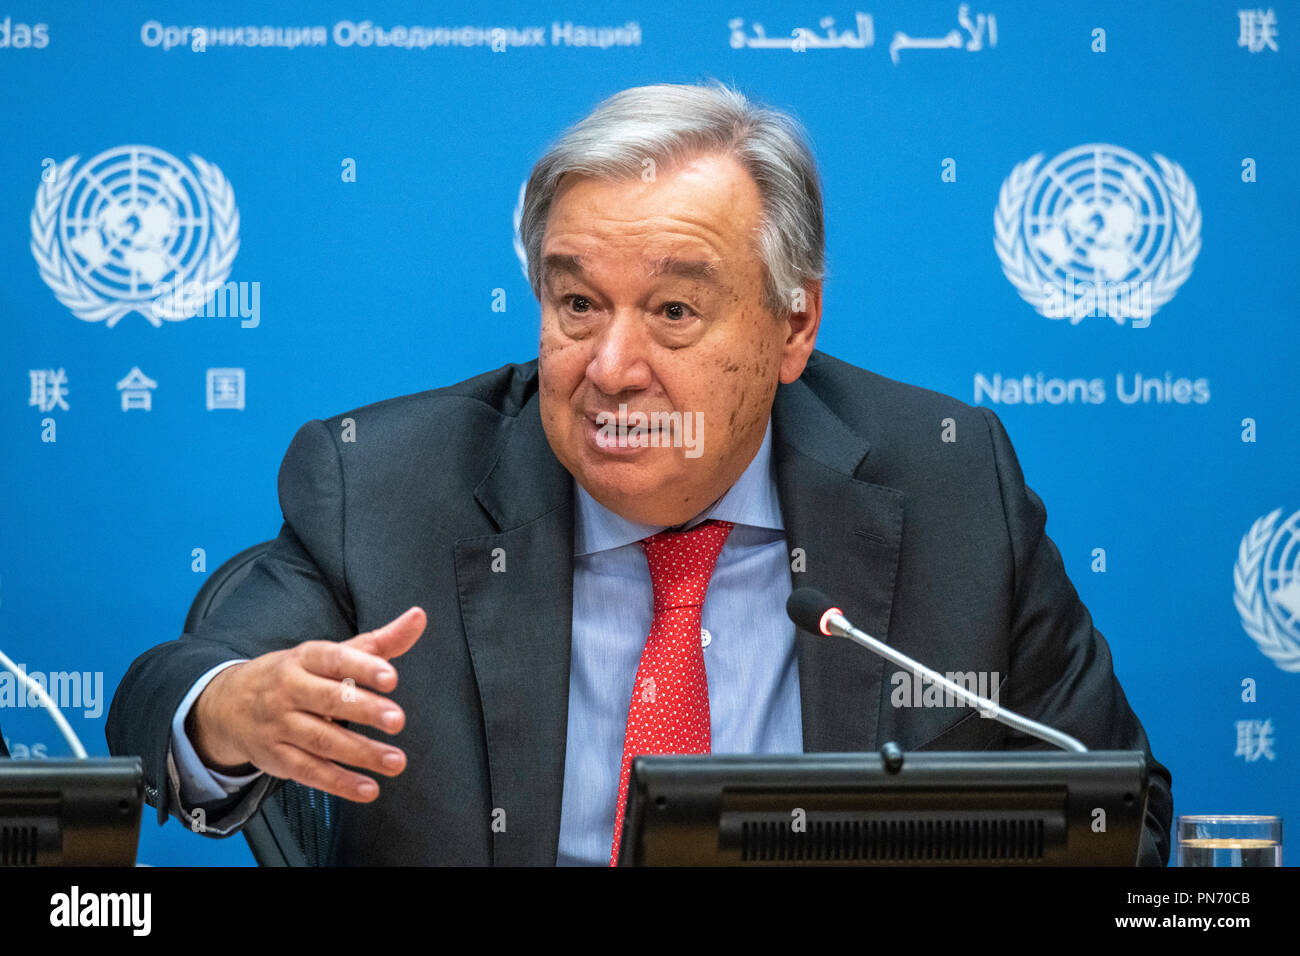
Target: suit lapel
[(849, 532), (516, 598)]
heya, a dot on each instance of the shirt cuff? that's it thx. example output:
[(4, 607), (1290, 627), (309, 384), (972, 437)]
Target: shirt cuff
[(198, 784)]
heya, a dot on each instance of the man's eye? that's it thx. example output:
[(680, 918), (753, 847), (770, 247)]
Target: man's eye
[(678, 311), (574, 301)]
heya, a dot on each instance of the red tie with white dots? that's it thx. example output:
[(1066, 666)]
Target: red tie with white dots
[(669, 713)]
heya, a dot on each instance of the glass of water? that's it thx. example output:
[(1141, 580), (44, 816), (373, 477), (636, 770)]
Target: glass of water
[(1229, 840)]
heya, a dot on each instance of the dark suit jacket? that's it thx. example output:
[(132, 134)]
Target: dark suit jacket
[(936, 547)]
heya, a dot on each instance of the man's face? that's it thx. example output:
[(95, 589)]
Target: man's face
[(651, 297)]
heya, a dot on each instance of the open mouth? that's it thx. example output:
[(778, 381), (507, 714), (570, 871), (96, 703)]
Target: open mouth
[(617, 437)]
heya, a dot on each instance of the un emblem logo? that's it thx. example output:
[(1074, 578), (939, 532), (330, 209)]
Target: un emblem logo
[(134, 229), (1266, 581), (1097, 231)]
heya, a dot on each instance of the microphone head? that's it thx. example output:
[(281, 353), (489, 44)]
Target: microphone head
[(808, 608)]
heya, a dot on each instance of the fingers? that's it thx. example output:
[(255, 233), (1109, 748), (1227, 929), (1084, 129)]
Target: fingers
[(328, 741), (356, 705), (393, 639), (285, 702), (293, 763), (345, 661)]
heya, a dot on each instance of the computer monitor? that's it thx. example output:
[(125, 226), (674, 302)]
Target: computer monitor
[(1005, 808), (70, 812)]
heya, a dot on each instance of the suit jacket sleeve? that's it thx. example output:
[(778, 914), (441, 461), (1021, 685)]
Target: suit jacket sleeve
[(297, 591), (1061, 669)]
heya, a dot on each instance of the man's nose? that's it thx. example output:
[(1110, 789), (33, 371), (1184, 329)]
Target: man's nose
[(620, 362)]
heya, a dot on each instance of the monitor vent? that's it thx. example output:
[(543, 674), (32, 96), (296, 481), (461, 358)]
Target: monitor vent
[(948, 840), (18, 845)]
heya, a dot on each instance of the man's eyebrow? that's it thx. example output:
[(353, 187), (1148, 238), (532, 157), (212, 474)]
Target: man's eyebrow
[(700, 270), (555, 263)]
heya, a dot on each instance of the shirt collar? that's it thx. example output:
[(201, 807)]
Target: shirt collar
[(752, 500)]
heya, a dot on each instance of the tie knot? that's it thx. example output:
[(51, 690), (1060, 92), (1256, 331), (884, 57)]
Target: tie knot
[(682, 562)]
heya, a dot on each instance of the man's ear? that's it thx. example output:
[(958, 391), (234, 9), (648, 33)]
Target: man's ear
[(801, 331)]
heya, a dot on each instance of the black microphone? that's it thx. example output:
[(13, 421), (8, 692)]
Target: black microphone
[(813, 611), (809, 608)]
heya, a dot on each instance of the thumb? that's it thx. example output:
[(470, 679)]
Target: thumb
[(395, 638)]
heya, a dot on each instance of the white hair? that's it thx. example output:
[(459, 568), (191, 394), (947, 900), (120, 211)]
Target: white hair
[(670, 122)]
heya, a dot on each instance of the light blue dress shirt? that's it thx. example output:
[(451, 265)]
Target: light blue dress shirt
[(750, 656)]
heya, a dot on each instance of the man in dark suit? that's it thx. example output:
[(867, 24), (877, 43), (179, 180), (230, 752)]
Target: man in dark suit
[(493, 536)]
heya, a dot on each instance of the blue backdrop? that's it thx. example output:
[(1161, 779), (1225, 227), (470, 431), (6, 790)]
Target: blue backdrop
[(355, 182)]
